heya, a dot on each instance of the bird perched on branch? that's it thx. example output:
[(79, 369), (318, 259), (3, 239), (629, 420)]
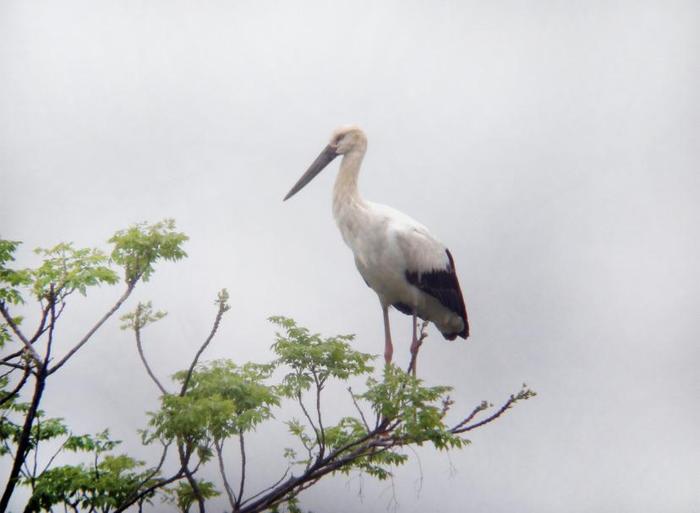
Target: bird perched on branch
[(397, 256)]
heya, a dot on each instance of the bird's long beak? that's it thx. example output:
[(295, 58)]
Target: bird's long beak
[(325, 158)]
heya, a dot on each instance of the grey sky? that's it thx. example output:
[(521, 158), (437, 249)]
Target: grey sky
[(553, 146)]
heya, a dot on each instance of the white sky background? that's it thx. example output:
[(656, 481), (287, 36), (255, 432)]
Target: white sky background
[(553, 146)]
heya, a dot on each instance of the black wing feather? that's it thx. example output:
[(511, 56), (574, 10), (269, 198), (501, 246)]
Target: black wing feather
[(443, 285)]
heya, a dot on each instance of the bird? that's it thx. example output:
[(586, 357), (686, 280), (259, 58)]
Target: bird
[(397, 257)]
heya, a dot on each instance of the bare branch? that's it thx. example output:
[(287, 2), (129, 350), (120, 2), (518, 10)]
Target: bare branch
[(357, 406), (52, 324), (42, 323), (308, 417), (473, 414), (243, 464), (223, 307), (460, 428), (17, 388), (269, 487), (91, 332), (27, 344), (184, 461), (139, 346), (232, 499), (322, 444), (144, 493)]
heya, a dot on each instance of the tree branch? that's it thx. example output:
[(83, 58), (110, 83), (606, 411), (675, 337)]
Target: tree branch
[(232, 499), (19, 386), (243, 464), (269, 487), (139, 346), (184, 462), (27, 344), (91, 332), (357, 407), (144, 493), (460, 428), (24, 438), (223, 307)]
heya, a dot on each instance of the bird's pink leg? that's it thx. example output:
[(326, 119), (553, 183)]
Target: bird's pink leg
[(415, 345), (388, 347)]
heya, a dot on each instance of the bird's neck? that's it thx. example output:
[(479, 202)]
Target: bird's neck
[(345, 192)]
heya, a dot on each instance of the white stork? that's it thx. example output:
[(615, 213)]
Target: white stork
[(397, 257)]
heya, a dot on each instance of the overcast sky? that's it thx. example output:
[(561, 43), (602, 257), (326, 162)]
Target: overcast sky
[(552, 146)]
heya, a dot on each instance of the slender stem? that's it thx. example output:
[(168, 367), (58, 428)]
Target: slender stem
[(469, 417), (357, 407), (276, 483), (308, 417), (91, 332), (319, 387), (144, 493), (219, 314), (53, 457), (139, 346), (184, 461), (19, 386), (232, 499), (501, 410), (27, 344), (243, 464)]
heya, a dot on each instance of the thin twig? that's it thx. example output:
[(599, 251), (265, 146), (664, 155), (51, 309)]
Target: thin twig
[(502, 409), (160, 484), (357, 406), (54, 456), (243, 464), (184, 461), (319, 387), (269, 487), (27, 344), (232, 499), (219, 314), (308, 417), (19, 386), (97, 326), (139, 346), (473, 414)]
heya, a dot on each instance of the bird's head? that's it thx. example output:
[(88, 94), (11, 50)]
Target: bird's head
[(344, 141), (348, 138)]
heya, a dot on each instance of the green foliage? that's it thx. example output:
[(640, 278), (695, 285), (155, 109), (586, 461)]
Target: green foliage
[(313, 359), (98, 444), (419, 408), (102, 486), (66, 269), (141, 317), (223, 399), (11, 279), (183, 496), (140, 246)]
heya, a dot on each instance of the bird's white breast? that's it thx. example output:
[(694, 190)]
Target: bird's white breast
[(380, 238)]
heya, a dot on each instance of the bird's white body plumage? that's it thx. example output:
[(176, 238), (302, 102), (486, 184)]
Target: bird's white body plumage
[(387, 244)]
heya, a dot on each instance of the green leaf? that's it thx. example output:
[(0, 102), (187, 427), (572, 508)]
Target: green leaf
[(140, 246), (66, 269), (313, 359), (11, 279)]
